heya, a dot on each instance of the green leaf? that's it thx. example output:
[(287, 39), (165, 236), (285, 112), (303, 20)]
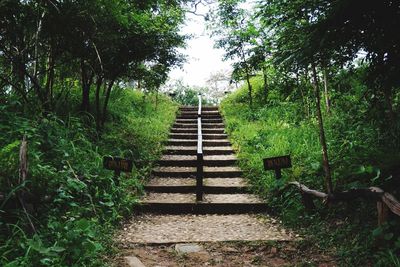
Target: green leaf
[(315, 166), (377, 232), (388, 236), (83, 224), (57, 249)]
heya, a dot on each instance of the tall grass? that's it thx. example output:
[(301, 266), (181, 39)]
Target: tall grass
[(75, 204), (362, 151)]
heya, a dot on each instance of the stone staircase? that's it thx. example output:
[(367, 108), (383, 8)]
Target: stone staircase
[(172, 188)]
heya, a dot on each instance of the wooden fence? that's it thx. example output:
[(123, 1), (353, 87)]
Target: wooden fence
[(385, 201)]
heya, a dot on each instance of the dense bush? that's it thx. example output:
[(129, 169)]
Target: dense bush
[(73, 202), (363, 149)]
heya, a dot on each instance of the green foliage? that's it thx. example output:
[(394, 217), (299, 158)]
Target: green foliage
[(75, 203), (362, 151), (45, 45)]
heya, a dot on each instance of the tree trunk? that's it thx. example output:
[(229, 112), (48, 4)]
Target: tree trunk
[(156, 99), (49, 81), (86, 82), (310, 112), (36, 53), (265, 91), (388, 94), (327, 100), (328, 178), (110, 85), (250, 91), (99, 82), (303, 98), (246, 68)]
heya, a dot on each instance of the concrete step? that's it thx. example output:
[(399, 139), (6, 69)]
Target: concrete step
[(206, 120), (203, 121), (186, 121), (173, 203), (194, 130), (212, 125), (222, 172), (214, 136), (213, 131), (186, 172), (184, 189), (192, 150), (204, 115), (184, 130), (193, 136), (191, 160), (219, 160), (193, 142), (195, 112), (168, 171), (185, 125), (196, 108), (211, 185)]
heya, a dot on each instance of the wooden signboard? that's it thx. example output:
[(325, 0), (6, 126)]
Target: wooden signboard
[(277, 163), (117, 164)]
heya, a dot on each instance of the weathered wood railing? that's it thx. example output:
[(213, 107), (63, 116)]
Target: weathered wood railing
[(199, 173), (385, 201)]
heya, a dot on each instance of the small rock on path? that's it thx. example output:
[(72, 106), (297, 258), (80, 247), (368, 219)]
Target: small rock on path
[(188, 248)]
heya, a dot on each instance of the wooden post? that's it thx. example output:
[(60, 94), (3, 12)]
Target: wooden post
[(307, 201), (382, 212), (199, 178), (117, 173), (278, 174)]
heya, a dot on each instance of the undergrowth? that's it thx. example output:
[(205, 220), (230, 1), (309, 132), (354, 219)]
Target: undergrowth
[(73, 202), (362, 152)]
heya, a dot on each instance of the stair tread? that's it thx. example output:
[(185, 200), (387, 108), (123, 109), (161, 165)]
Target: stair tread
[(194, 228), (208, 140), (222, 169), (195, 148), (228, 182), (175, 169), (211, 182), (212, 124), (194, 157), (168, 181), (193, 169), (177, 198), (195, 134)]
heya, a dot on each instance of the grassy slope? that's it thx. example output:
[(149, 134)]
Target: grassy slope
[(79, 203), (280, 128)]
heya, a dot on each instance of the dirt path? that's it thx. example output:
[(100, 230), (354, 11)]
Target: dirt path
[(226, 254)]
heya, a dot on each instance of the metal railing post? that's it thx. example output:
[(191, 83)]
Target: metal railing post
[(199, 173)]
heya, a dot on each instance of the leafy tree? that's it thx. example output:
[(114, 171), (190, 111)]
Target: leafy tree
[(97, 42), (236, 34)]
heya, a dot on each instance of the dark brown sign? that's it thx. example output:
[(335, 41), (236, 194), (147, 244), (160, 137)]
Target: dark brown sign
[(117, 164), (277, 163)]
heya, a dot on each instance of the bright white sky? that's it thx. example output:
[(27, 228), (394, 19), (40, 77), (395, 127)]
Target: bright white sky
[(202, 58)]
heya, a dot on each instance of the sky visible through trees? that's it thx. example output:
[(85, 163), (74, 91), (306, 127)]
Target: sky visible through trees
[(202, 58)]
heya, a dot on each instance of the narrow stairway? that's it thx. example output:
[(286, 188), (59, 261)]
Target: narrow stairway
[(227, 211), (172, 189)]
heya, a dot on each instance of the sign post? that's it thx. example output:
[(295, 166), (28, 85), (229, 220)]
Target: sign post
[(277, 163), (117, 165)]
